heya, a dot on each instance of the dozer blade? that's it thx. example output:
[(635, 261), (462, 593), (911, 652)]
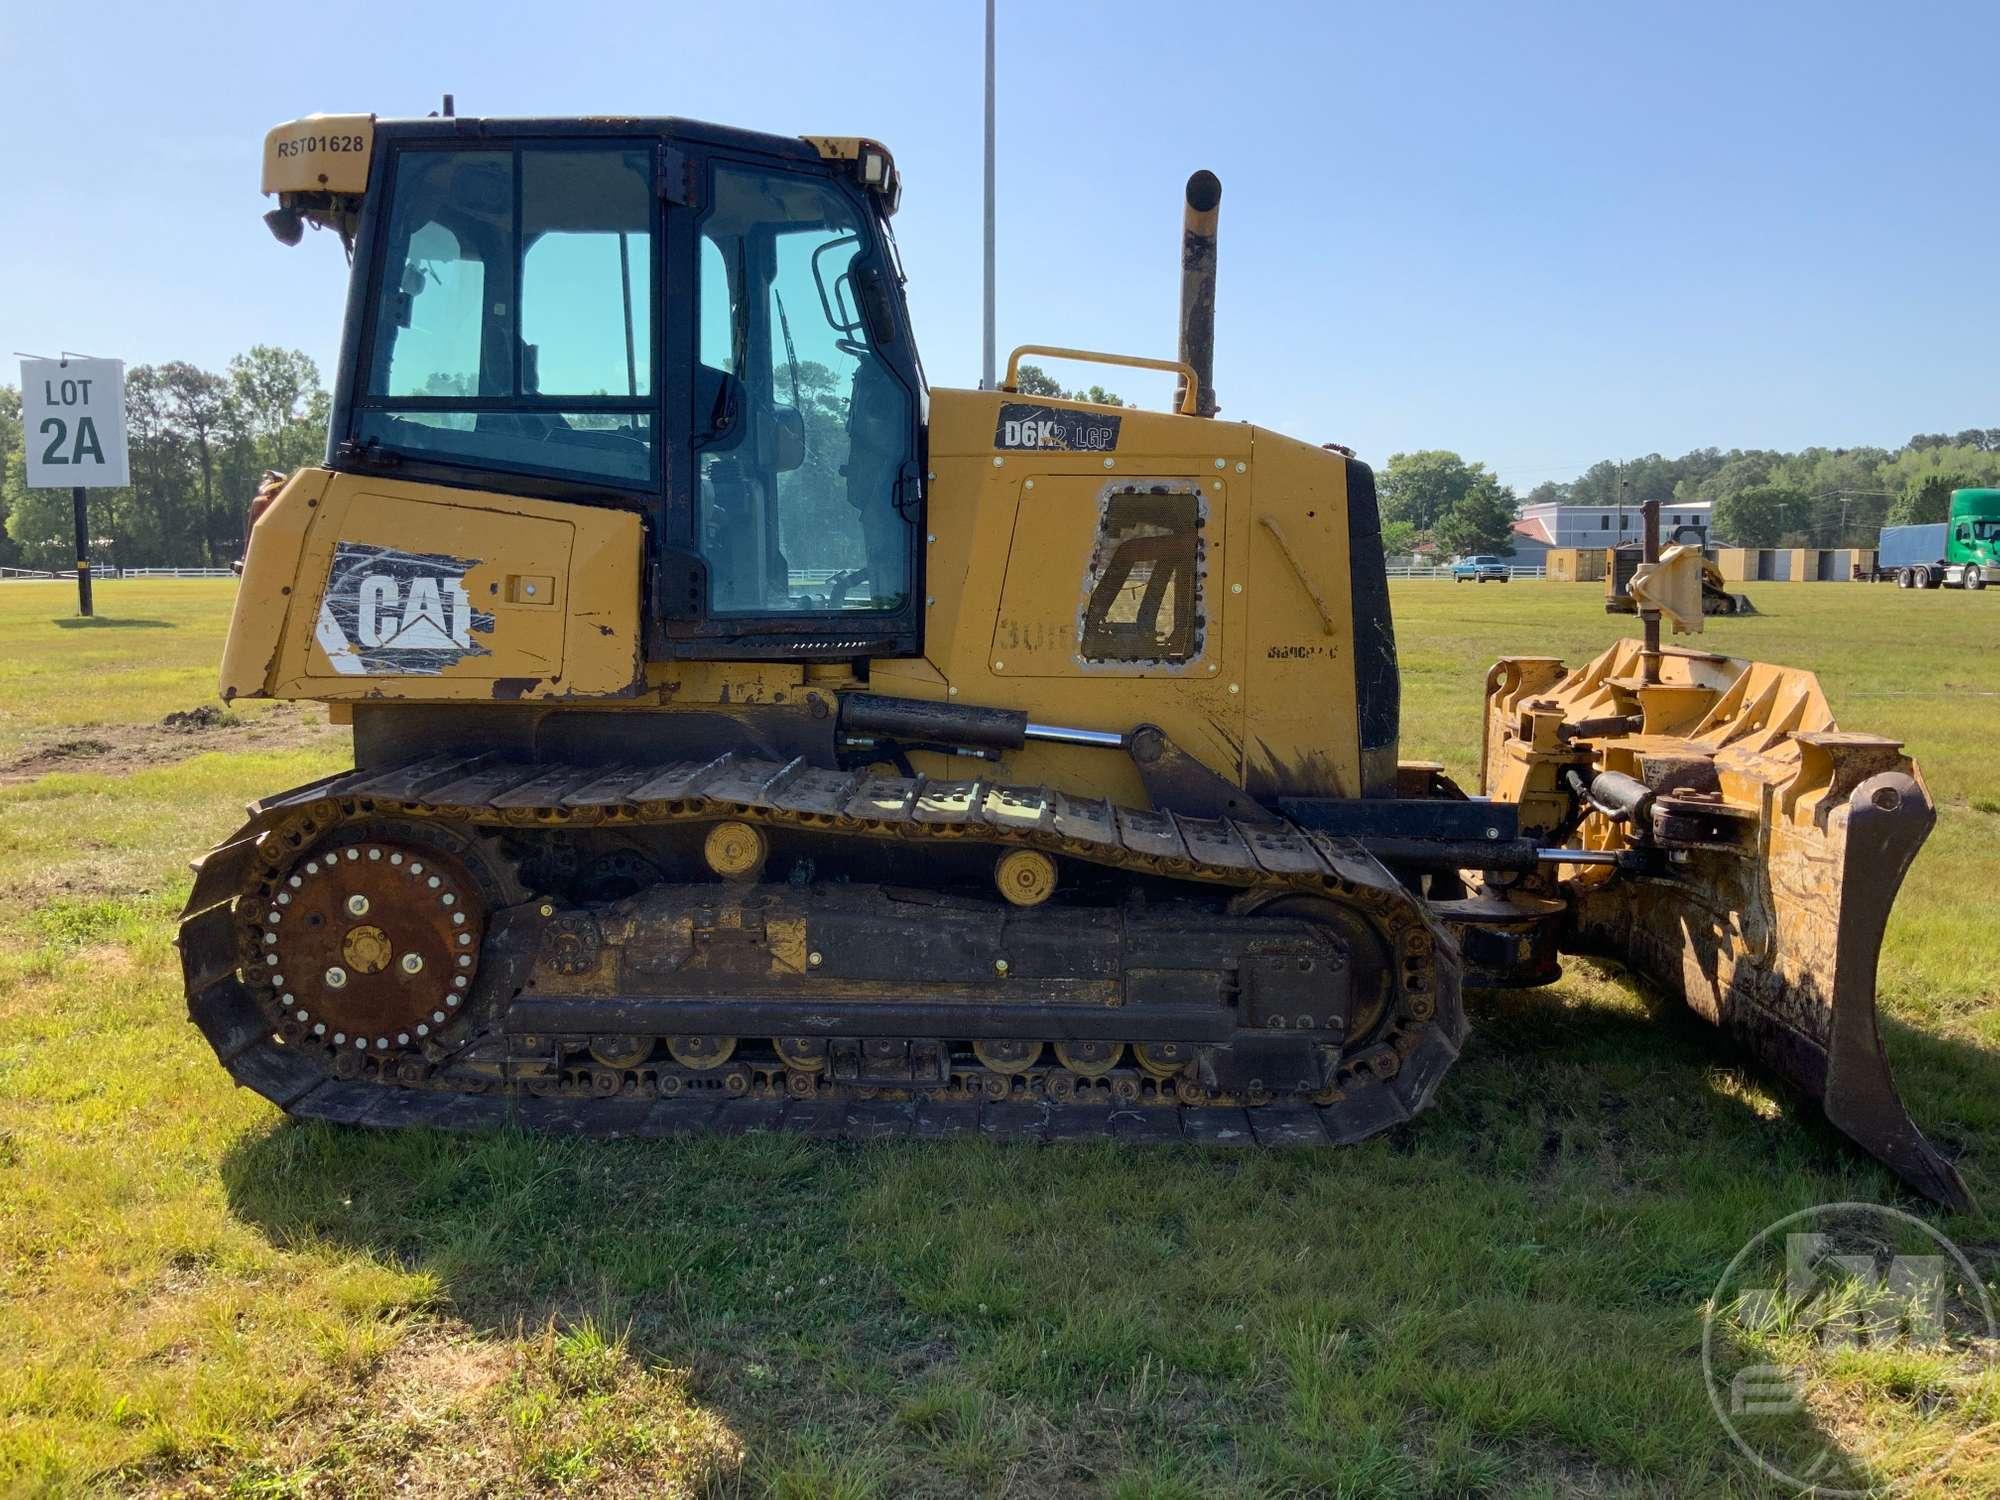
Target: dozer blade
[(1777, 845)]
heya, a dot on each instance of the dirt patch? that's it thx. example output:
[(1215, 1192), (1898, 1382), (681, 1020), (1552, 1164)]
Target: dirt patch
[(118, 749), (436, 1370), (194, 720)]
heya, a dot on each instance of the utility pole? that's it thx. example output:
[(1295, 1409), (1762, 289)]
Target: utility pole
[(986, 380), (1847, 498)]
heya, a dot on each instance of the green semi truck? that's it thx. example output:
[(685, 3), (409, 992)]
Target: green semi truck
[(1961, 553)]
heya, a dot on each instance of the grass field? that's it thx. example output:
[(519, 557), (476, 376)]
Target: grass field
[(1503, 1297)]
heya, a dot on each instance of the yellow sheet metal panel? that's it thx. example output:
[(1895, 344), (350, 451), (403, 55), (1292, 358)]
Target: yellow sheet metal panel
[(414, 592), (1300, 733), (1112, 576), (319, 154), (1016, 553), (263, 598), (980, 470)]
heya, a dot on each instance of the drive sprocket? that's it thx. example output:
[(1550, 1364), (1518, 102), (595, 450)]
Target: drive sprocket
[(370, 946)]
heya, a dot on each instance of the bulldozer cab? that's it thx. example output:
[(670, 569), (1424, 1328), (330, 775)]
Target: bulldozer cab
[(700, 325)]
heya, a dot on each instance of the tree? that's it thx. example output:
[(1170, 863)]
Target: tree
[(1399, 538), (198, 442), (1483, 521), (1462, 505), (282, 408), (1739, 470), (1761, 515), (39, 521), (158, 523), (1033, 380), (198, 403), (1422, 487), (10, 444), (1926, 500), (1924, 477), (1634, 481)]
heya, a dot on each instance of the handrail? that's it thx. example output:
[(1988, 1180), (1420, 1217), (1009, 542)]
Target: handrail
[(1190, 405)]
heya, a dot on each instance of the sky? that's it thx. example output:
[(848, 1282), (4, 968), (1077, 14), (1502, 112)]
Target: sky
[(1538, 234)]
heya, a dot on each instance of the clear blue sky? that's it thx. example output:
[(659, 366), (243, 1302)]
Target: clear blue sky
[(1538, 234)]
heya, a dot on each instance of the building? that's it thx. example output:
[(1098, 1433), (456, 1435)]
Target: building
[(1531, 546), (1553, 524)]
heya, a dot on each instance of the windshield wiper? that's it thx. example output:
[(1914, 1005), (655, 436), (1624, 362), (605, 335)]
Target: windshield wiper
[(791, 354)]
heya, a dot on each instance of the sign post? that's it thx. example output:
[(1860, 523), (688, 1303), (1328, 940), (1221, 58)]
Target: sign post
[(81, 505), (73, 426)]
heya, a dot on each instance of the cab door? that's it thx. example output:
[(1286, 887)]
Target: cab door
[(796, 499)]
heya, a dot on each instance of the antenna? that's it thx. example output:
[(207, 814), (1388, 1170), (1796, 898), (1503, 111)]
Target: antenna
[(986, 334)]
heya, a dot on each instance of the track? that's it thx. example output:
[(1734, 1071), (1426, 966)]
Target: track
[(473, 1074)]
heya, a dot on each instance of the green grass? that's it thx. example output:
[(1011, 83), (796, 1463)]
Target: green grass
[(1503, 1297), (160, 641)]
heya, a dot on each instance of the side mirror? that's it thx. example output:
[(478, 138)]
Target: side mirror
[(790, 447)]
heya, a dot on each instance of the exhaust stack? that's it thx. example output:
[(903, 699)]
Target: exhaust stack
[(1204, 203)]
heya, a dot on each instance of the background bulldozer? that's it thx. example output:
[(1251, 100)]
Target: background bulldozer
[(746, 732), (1622, 561)]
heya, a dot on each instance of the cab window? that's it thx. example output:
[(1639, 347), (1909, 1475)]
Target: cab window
[(512, 325), (804, 429)]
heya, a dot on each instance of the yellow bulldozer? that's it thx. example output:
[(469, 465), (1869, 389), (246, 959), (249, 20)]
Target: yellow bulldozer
[(1620, 563), (747, 735)]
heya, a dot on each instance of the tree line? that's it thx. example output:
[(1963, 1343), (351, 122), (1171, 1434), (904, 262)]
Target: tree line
[(1817, 497), (199, 441)]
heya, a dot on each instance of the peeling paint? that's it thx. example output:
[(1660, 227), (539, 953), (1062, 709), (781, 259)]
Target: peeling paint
[(1150, 558), (387, 612)]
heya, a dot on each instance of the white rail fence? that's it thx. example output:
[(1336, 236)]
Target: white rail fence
[(103, 575), (175, 573), (1410, 570)]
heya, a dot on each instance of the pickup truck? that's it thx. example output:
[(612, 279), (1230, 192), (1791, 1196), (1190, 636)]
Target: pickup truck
[(1479, 570)]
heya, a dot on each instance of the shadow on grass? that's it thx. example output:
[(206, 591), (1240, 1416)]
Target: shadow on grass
[(1949, 1087), (1582, 1154), (111, 622)]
